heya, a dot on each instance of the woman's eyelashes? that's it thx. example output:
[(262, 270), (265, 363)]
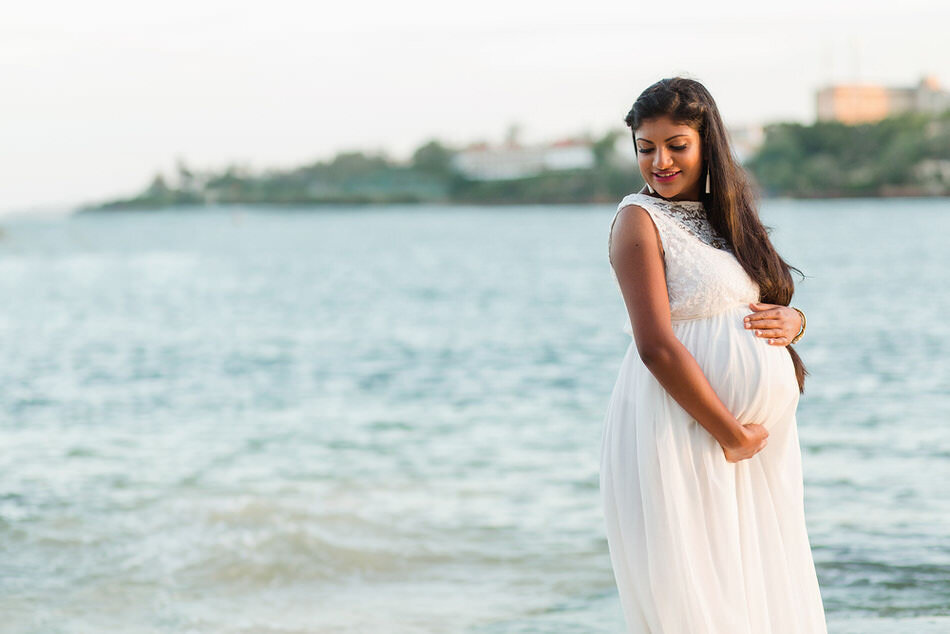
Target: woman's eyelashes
[(678, 148)]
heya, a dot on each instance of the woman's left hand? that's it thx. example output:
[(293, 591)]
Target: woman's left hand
[(775, 323)]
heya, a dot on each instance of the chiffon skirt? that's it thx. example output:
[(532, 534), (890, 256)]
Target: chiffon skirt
[(700, 545)]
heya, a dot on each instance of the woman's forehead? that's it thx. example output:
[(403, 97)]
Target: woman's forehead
[(662, 129)]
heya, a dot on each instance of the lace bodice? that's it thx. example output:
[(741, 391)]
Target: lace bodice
[(703, 276), (691, 215)]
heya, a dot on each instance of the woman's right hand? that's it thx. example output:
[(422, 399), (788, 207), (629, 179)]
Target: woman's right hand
[(754, 438)]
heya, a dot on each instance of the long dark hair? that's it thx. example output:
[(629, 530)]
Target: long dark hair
[(732, 205)]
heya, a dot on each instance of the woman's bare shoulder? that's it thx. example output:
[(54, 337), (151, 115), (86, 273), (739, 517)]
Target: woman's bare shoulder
[(632, 226)]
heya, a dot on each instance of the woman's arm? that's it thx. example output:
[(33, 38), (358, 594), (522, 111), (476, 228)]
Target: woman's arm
[(636, 256)]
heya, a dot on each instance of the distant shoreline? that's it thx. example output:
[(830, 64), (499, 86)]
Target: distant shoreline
[(902, 156)]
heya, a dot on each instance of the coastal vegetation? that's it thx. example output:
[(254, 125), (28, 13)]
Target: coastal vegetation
[(901, 155)]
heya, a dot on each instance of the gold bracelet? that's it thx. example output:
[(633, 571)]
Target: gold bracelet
[(801, 332)]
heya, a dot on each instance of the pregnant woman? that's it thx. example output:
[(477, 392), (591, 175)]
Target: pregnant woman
[(701, 477)]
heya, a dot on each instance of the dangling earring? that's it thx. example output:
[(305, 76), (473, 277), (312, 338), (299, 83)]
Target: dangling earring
[(707, 179), (650, 189)]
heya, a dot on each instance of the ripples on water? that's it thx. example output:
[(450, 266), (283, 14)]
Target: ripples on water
[(389, 419)]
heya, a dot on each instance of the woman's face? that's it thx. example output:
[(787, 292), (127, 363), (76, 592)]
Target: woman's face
[(664, 147)]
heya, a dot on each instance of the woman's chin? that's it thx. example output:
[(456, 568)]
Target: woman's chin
[(669, 190)]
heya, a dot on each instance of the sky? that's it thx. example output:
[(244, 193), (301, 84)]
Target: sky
[(100, 95)]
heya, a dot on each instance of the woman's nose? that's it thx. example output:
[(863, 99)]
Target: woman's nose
[(661, 160)]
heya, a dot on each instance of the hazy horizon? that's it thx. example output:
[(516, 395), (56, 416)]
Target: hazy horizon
[(102, 96)]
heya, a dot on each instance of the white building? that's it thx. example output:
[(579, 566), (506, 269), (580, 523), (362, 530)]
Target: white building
[(745, 140), (512, 160)]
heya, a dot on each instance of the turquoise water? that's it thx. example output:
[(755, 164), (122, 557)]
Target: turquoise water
[(388, 419)]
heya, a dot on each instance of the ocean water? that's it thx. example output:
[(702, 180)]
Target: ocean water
[(388, 419)]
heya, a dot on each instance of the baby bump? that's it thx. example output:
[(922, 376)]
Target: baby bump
[(755, 380)]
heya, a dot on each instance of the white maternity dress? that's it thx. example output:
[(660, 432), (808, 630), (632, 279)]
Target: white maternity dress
[(700, 545)]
